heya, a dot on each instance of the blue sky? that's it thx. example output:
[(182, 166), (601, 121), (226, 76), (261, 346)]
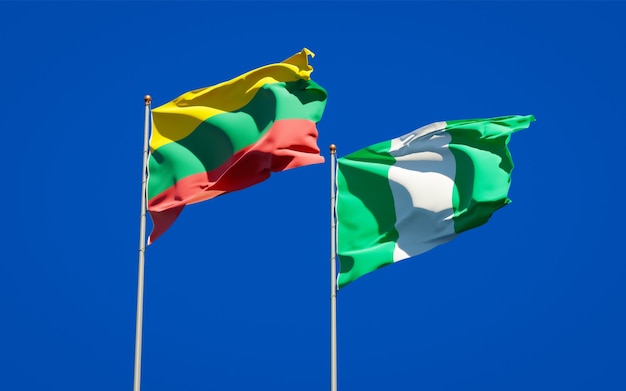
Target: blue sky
[(237, 291)]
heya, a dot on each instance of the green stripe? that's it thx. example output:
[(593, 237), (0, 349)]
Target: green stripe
[(483, 167), (365, 211), (220, 136)]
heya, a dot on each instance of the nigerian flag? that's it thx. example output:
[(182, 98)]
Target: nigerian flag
[(402, 197)]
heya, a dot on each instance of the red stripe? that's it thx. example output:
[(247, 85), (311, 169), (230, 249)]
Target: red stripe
[(289, 143), (161, 221)]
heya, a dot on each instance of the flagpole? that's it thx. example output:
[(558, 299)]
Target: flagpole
[(142, 248), (333, 273)]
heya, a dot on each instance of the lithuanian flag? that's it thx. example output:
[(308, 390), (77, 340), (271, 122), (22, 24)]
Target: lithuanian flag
[(232, 135)]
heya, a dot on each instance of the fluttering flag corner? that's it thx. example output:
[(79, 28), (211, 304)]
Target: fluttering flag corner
[(403, 197), (232, 135)]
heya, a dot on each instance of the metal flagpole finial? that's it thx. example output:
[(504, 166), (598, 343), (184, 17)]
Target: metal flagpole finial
[(147, 99), (333, 148)]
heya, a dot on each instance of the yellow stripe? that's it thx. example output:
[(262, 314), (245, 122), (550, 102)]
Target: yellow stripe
[(177, 119)]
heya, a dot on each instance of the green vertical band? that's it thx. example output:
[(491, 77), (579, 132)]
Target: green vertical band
[(483, 167), (365, 212)]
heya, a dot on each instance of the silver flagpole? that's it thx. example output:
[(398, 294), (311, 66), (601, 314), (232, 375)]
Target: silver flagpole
[(333, 273), (142, 248)]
